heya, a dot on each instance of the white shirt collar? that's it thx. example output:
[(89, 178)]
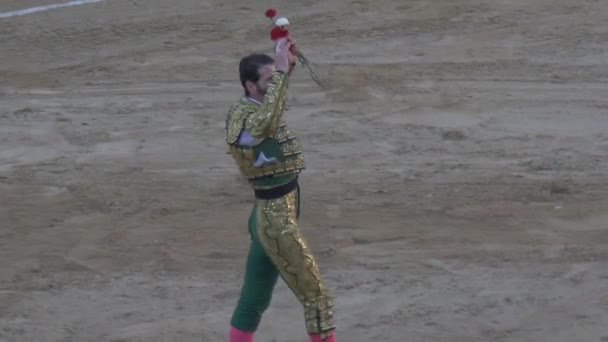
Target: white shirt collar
[(254, 101)]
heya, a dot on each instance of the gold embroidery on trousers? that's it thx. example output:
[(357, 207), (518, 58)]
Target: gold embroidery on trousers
[(281, 238)]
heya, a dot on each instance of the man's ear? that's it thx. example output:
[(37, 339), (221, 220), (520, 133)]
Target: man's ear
[(249, 85)]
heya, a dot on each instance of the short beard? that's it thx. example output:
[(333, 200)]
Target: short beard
[(260, 90)]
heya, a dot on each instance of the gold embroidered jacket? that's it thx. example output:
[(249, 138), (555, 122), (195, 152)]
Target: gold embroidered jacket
[(276, 150)]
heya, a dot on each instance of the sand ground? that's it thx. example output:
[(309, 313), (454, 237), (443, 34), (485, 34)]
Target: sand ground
[(456, 187)]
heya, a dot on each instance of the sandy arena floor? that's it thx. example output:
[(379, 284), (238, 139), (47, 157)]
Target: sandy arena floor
[(456, 189)]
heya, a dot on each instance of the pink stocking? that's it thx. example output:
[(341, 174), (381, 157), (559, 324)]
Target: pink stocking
[(317, 338), (240, 336)]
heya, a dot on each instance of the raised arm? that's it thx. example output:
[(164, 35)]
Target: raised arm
[(265, 121)]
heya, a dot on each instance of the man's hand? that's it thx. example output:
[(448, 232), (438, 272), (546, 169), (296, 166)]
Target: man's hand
[(281, 55)]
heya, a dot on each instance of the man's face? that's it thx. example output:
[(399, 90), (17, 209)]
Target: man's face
[(265, 78)]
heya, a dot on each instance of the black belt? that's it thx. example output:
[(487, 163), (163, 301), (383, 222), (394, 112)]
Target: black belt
[(279, 191)]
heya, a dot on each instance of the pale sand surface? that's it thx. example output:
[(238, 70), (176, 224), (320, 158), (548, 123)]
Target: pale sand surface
[(456, 187)]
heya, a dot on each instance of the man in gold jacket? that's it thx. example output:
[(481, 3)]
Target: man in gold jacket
[(269, 155)]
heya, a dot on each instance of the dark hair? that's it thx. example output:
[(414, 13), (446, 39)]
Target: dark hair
[(249, 68)]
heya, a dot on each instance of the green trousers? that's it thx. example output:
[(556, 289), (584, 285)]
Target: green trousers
[(260, 279), (278, 249)]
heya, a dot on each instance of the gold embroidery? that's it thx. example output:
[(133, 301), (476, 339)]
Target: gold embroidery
[(284, 134), (244, 158), (265, 121), (291, 150), (291, 147), (279, 234), (235, 120)]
